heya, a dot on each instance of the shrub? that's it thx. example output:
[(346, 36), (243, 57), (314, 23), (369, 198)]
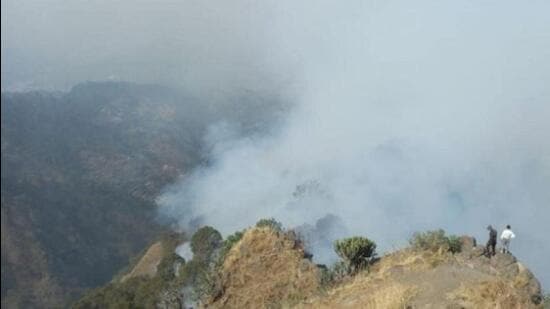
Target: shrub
[(329, 276), (207, 285), (357, 252), (270, 223), (144, 291), (339, 270), (434, 241), (137, 292), (166, 267), (455, 245), (205, 242), (326, 277), (228, 243)]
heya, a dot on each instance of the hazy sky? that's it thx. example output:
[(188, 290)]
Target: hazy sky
[(57, 43), (409, 115)]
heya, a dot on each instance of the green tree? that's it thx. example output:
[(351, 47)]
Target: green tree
[(228, 243), (270, 223), (205, 242), (357, 252)]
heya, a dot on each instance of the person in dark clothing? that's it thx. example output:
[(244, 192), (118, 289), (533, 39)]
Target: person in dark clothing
[(491, 244)]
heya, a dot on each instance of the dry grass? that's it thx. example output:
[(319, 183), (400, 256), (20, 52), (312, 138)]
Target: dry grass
[(521, 281), (266, 269), (523, 277), (377, 288), (147, 265), (411, 260), (498, 294), (365, 292), (393, 296)]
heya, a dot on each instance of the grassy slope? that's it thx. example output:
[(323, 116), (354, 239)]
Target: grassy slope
[(261, 267)]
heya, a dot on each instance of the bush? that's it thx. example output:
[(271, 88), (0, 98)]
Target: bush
[(435, 240), (205, 242), (455, 245), (329, 276), (166, 267), (270, 223), (145, 291), (137, 292), (228, 243), (326, 277), (208, 285), (357, 252), (190, 271)]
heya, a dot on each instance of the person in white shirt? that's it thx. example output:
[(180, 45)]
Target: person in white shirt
[(506, 237)]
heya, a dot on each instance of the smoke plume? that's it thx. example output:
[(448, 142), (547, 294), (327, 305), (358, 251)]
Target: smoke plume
[(407, 117)]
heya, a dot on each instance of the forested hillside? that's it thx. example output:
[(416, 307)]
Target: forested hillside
[(81, 170)]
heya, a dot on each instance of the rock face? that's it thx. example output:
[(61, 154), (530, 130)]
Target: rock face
[(511, 274)]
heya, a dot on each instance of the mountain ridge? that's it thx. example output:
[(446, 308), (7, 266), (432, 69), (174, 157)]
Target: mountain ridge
[(80, 174), (270, 268)]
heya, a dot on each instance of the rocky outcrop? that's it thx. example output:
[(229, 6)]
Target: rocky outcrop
[(265, 269), (502, 265)]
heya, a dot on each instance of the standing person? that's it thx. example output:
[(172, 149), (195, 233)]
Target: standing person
[(492, 242), (506, 237)]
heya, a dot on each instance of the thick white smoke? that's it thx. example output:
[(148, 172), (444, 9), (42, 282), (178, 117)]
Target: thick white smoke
[(407, 117)]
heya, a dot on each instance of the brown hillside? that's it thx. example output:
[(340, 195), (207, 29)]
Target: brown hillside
[(409, 279), (147, 265), (266, 269)]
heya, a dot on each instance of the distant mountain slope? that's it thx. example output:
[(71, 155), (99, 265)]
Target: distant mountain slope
[(80, 172)]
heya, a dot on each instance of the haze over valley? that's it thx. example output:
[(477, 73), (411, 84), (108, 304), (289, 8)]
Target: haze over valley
[(128, 120)]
